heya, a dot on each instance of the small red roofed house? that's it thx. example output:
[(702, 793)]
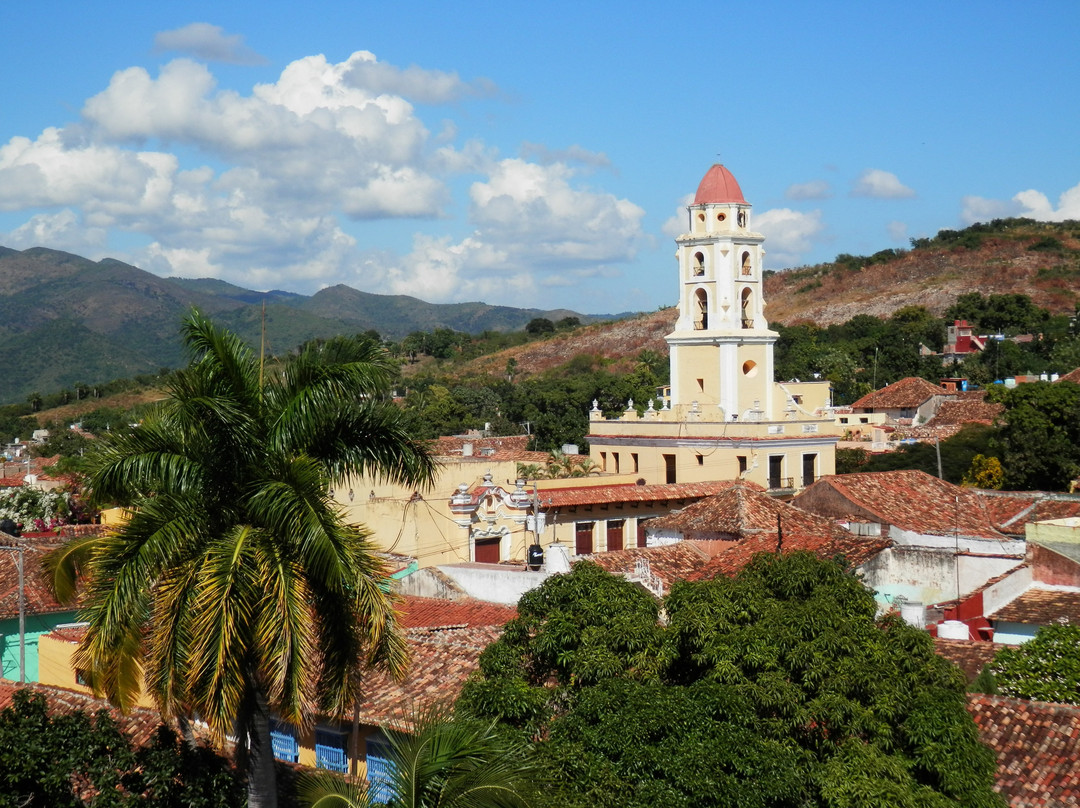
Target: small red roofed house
[(908, 401)]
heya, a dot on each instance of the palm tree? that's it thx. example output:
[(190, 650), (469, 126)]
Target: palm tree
[(236, 589), (439, 760)]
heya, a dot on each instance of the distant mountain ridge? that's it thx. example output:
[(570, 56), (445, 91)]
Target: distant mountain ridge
[(65, 319)]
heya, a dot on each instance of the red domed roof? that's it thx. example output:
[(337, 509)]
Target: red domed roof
[(718, 185)]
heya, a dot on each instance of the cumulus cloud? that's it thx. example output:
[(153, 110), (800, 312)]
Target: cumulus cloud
[(678, 223), (1031, 203), (816, 189), (526, 203), (287, 164), (209, 42), (534, 229), (877, 184), (367, 73), (789, 234), (63, 230)]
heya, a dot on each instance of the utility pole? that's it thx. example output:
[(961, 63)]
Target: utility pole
[(21, 565)]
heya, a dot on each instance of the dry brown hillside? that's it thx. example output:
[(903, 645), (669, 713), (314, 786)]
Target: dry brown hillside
[(619, 342), (930, 278)]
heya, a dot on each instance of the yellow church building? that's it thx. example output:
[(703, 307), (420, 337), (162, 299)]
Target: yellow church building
[(725, 419)]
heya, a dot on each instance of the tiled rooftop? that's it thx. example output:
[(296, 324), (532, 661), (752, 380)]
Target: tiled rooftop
[(628, 492), (1072, 376), (1041, 607), (1010, 511), (437, 613), (1036, 747), (670, 563), (912, 500), (970, 656), (740, 510), (909, 392), (39, 598), (512, 447), (442, 659), (855, 550), (966, 411)]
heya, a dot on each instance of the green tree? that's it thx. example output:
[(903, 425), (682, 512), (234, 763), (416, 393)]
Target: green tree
[(440, 760), (75, 759), (1046, 668), (540, 326), (1039, 443), (762, 690), (236, 588), (985, 472)]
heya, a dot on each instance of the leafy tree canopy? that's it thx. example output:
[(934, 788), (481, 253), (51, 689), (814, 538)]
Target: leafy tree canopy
[(1039, 443), (775, 688), (75, 760)]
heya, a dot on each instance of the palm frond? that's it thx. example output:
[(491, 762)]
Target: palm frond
[(326, 790)]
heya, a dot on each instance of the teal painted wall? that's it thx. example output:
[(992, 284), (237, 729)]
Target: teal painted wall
[(36, 625)]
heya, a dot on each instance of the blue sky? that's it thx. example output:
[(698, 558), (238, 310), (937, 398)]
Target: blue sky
[(521, 154)]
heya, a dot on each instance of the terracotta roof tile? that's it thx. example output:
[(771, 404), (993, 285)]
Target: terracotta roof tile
[(1041, 607), (970, 656), (966, 411), (512, 447), (1011, 511), (670, 563), (628, 492), (1072, 376), (911, 500), (909, 392), (1036, 747), (436, 613), (442, 659), (39, 598)]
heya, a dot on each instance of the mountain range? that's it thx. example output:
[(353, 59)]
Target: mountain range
[(65, 319)]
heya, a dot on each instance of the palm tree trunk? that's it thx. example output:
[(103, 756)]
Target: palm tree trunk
[(262, 779)]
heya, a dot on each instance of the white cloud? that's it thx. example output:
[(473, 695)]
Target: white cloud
[(210, 42), (789, 234), (534, 230), (1038, 206), (978, 209), (898, 231), (878, 184), (816, 189), (536, 209), (678, 223), (572, 154), (58, 231), (1030, 203), (287, 163), (365, 72)]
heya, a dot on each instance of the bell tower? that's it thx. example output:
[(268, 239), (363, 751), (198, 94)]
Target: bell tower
[(721, 348)]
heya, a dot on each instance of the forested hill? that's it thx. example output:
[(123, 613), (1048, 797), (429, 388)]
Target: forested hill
[(67, 320), (1005, 256)]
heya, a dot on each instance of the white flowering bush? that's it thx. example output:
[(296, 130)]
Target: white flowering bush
[(34, 509), (1046, 668)]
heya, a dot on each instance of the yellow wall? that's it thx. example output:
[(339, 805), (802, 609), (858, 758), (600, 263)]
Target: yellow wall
[(55, 668)]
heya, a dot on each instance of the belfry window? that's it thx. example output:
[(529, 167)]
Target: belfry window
[(747, 308), (701, 310), (746, 264), (699, 264)]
